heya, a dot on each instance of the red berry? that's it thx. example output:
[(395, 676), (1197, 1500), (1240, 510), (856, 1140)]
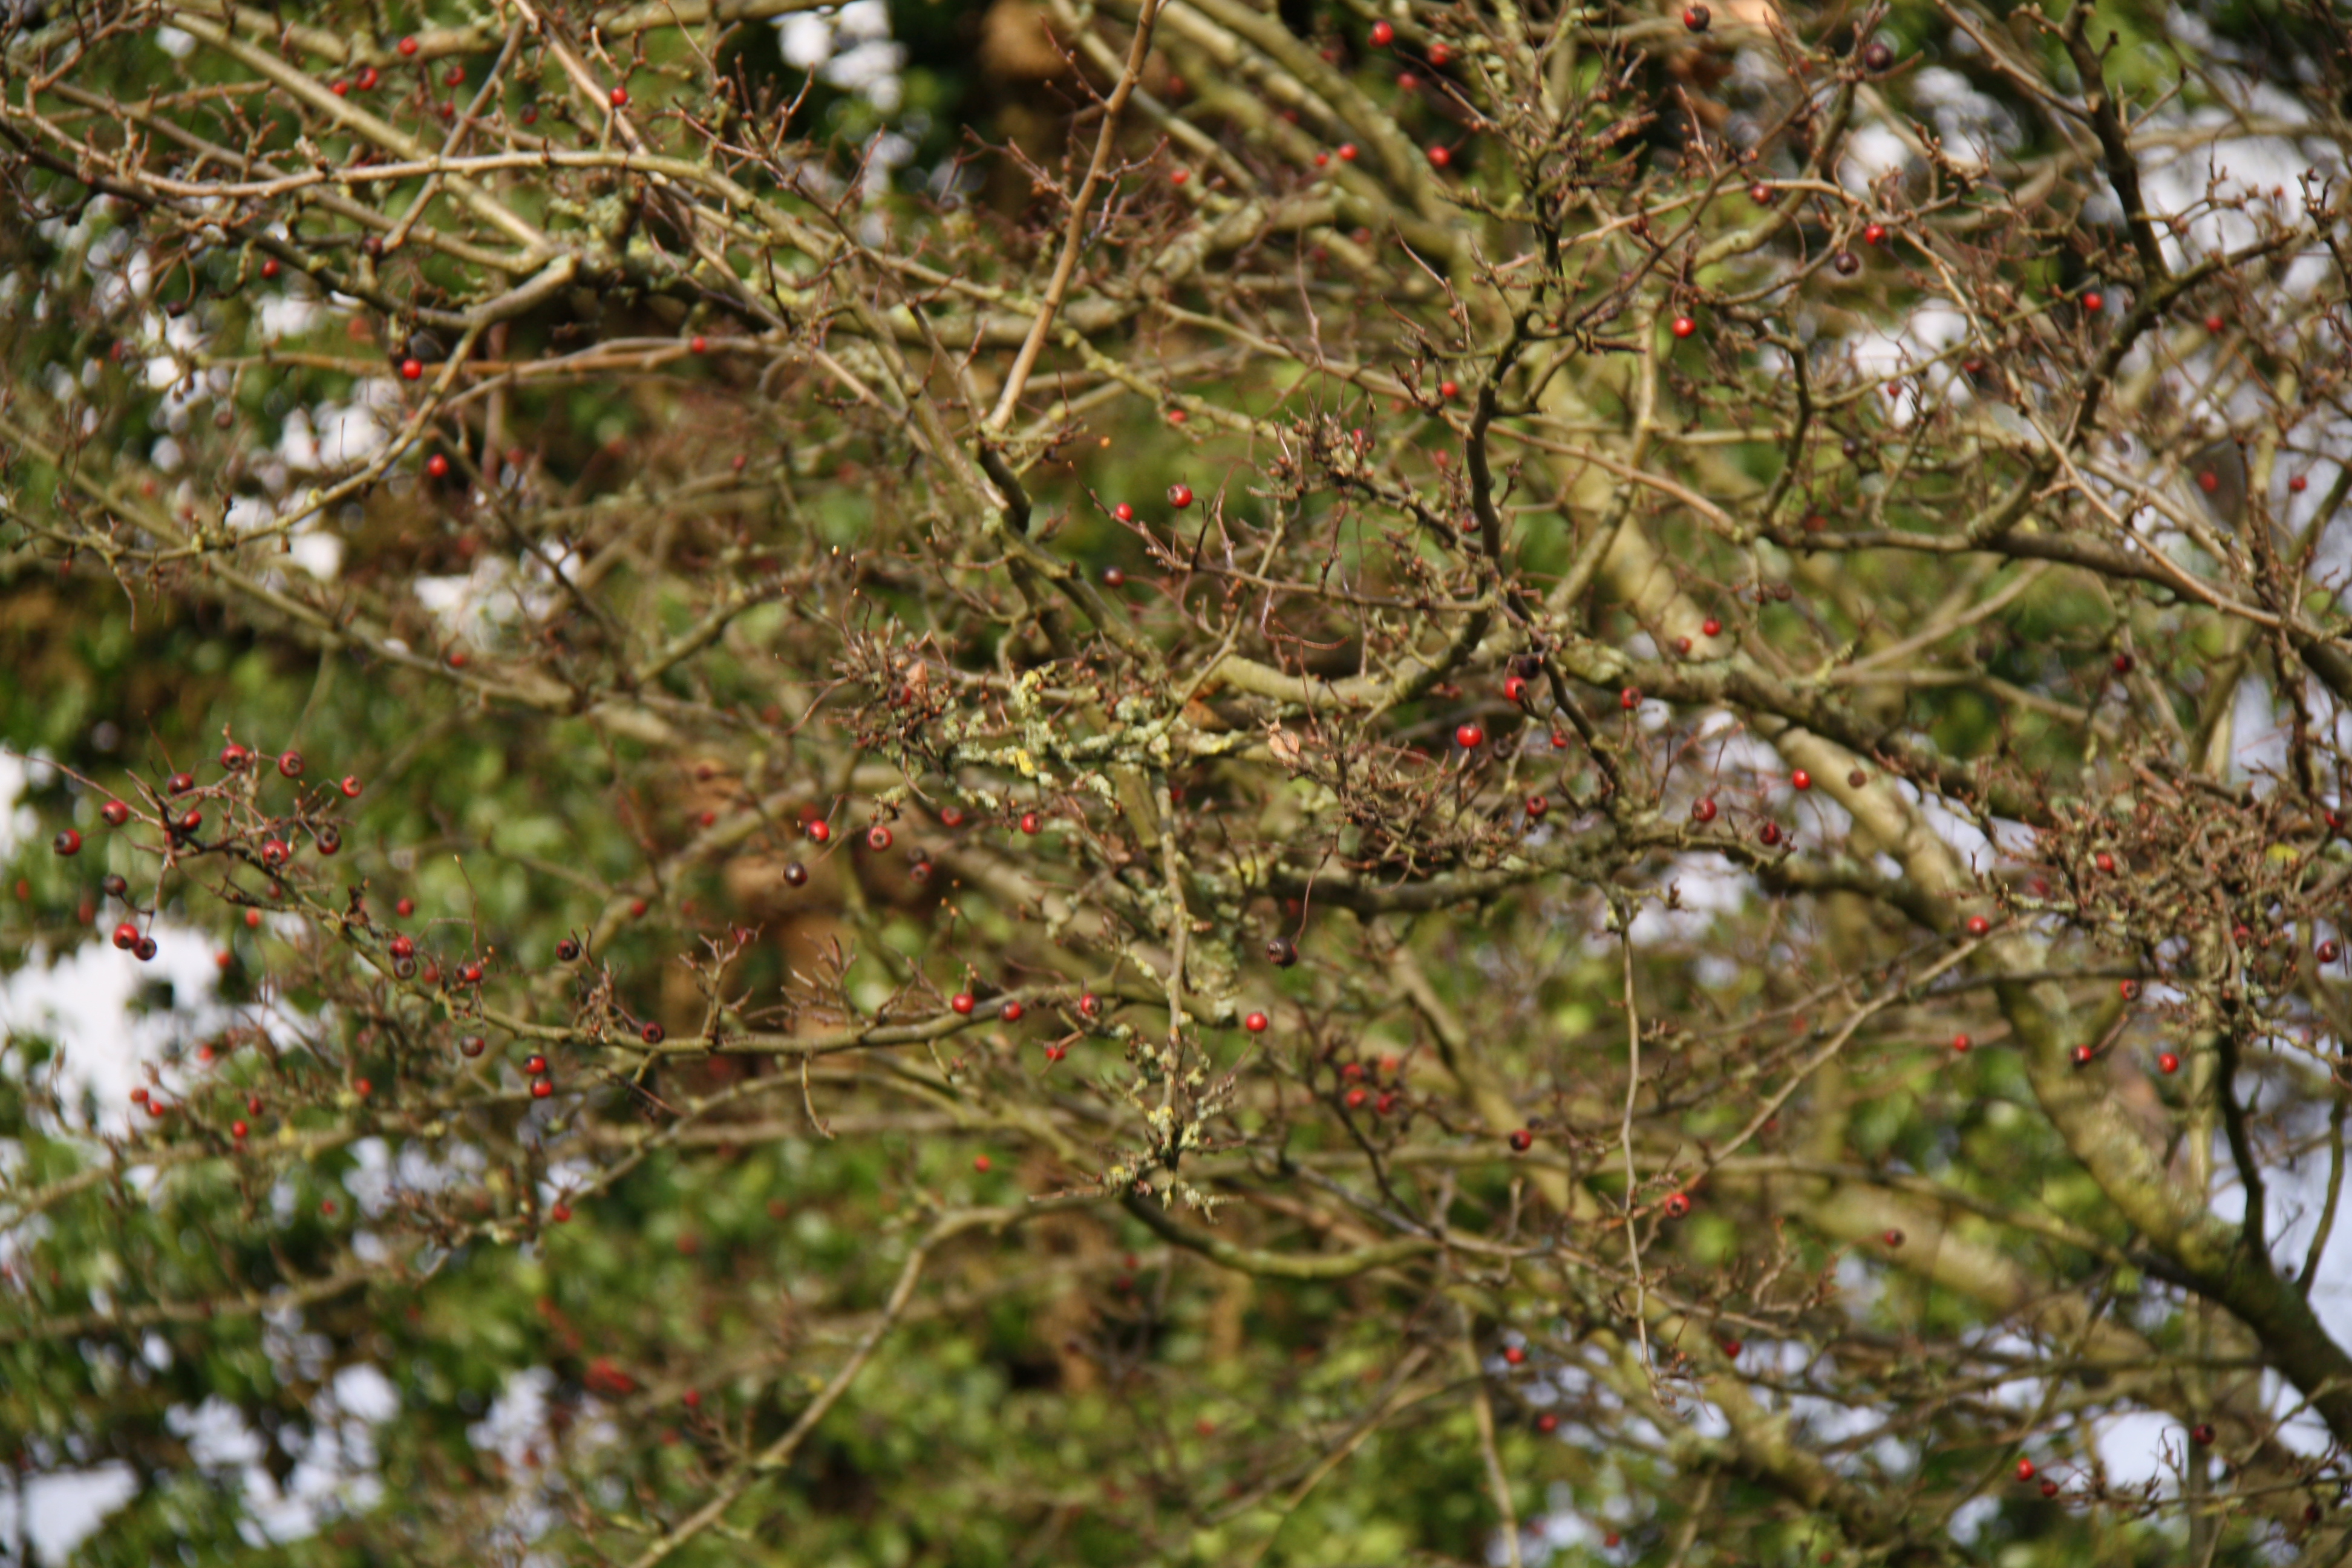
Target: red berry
[(1893, 1238), (1697, 18), (253, 919), (1089, 1006), (1356, 1097), (404, 947), (1514, 1355), (1030, 822), (1439, 158), (2094, 301), (1124, 512), (2213, 323), (1979, 925), (2105, 861), (1439, 53), (2168, 1064), (408, 46), (411, 369), (2025, 1471), (1629, 698), (1770, 833), (2298, 484), (540, 1088), (1678, 1204), (560, 1213), (115, 813), (1469, 737), (67, 842), (2084, 1056), (291, 765), (1383, 35), (980, 1164), (364, 1087), (1514, 690), (2329, 953), (1449, 390), (126, 936), (236, 1129), (274, 852), (179, 783), (1011, 1012), (1522, 1139), (819, 830), (1546, 1423), (1179, 496), (2049, 1488), (1873, 233), (1711, 626), (234, 756), (367, 78), (1684, 326), (351, 786), (2201, 1434), (471, 974), (1347, 152), (620, 97), (697, 345), (1703, 809), (1255, 1023), (878, 836), (144, 948), (2128, 990), (1731, 1348), (1182, 176), (1960, 1044), (1536, 806), (2209, 482), (438, 465), (405, 907), (961, 1002), (653, 1034)]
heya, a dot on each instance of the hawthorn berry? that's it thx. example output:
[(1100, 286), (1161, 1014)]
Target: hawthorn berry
[(233, 756), (1469, 737), (1697, 18), (472, 1046), (2201, 1434), (542, 1087), (1678, 1204), (1182, 176), (1440, 54), (2329, 952), (290, 765), (330, 839), (1537, 806), (795, 873), (620, 97), (819, 830), (236, 1129), (126, 936), (1877, 57), (2049, 1487), (1514, 1355), (1522, 1140), (1960, 1044), (2084, 1056), (404, 947), (67, 842), (2128, 990), (1255, 1023), (559, 1212), (878, 836), (2209, 482), (268, 267), (1703, 809), (405, 907), (1893, 1238), (1179, 496), (438, 465), (1124, 512), (113, 885), (2168, 1064), (1546, 1423), (698, 344), (179, 783), (1383, 35), (1770, 833), (1874, 234), (1629, 698), (1514, 690), (1089, 1006), (471, 974), (653, 1034), (1731, 1349), (2025, 1471), (412, 370), (274, 853), (1347, 152), (980, 1164), (1449, 390), (367, 78), (1684, 326), (2298, 484), (1011, 1012), (961, 1002), (144, 950), (1281, 951), (351, 786), (1800, 778), (951, 817), (408, 46), (1030, 822), (115, 813), (1979, 925), (2094, 301), (2104, 861)]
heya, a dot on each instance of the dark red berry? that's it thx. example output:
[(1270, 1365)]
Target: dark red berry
[(233, 756), (2201, 1434), (1113, 577), (1281, 951), (114, 886), (795, 873), (1703, 809), (115, 813), (1697, 18), (1770, 833), (144, 950), (67, 842), (567, 950), (472, 1046), (404, 947), (1536, 806), (653, 1034), (1877, 57), (179, 783), (1522, 1139)]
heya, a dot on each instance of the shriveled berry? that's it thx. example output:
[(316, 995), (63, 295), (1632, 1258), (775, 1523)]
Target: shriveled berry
[(114, 886), (653, 1034), (1281, 951)]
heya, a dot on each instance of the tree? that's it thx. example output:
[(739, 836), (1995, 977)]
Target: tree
[(1181, 781)]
